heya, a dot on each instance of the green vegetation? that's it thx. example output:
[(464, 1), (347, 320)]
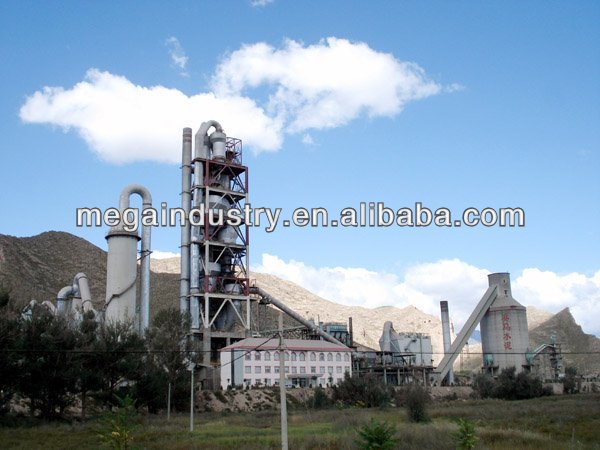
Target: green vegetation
[(465, 436), (366, 391), (116, 427), (417, 399), (510, 386), (546, 422), (376, 436), (52, 364)]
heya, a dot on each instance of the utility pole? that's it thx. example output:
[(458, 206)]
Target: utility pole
[(283, 399), (192, 366), (169, 403)]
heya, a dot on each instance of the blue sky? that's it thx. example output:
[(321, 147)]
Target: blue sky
[(504, 111)]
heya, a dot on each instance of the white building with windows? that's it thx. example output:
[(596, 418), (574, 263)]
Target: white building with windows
[(255, 361)]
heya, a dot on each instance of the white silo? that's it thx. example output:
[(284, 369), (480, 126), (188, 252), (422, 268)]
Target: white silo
[(504, 332)]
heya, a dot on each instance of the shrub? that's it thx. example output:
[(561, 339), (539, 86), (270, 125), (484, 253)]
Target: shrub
[(569, 381), (510, 386), (376, 435), (117, 426), (466, 437), (368, 389), (484, 385), (416, 402), (319, 398)]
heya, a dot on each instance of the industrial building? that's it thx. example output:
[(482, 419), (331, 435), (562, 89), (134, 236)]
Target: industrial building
[(217, 296), (308, 363)]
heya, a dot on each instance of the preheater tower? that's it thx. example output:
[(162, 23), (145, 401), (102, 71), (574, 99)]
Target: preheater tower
[(214, 288)]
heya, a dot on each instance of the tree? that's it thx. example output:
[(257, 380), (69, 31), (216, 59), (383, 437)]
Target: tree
[(417, 399), (9, 329), (367, 390), (164, 364), (376, 435), (569, 381), (47, 373), (118, 354)]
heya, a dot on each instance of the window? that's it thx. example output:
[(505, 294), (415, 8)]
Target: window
[(338, 369), (302, 369), (347, 369), (313, 369), (248, 356), (267, 369), (257, 356), (267, 356), (294, 370), (329, 356), (247, 369), (330, 369), (276, 368), (322, 381), (313, 356), (321, 369), (257, 369), (294, 356), (267, 382), (276, 356), (338, 356), (302, 356), (287, 370), (321, 356), (346, 357), (287, 356)]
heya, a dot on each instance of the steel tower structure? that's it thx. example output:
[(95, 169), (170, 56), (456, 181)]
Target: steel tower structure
[(214, 251)]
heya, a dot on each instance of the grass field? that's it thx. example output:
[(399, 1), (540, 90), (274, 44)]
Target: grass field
[(560, 422)]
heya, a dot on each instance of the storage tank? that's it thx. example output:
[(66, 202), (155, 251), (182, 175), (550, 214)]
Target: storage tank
[(504, 332)]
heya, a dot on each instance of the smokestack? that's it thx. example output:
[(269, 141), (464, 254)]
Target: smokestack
[(446, 335)]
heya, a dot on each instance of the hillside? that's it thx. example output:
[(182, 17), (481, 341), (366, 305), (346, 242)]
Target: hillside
[(38, 267), (579, 349)]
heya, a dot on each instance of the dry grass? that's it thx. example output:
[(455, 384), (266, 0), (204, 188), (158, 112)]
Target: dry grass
[(546, 423)]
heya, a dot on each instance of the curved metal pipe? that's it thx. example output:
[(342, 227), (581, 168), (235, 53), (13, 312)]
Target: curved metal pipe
[(201, 150), (62, 298), (81, 281), (143, 192)]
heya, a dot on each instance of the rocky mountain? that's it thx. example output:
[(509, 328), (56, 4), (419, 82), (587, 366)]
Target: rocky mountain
[(579, 349), (38, 267)]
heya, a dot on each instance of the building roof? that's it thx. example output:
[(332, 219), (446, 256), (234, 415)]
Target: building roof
[(290, 344)]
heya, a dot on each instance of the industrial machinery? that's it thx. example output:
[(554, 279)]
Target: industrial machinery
[(504, 332), (405, 348), (121, 266), (214, 287)]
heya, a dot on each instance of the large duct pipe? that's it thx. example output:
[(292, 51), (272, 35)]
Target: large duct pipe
[(201, 150), (62, 298), (293, 314), (121, 270), (81, 281), (446, 335), (186, 199)]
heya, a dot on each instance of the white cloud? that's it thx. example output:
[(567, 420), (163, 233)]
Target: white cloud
[(124, 122), (309, 87), (157, 254), (554, 292), (424, 285), (177, 54), (260, 3), (324, 85), (307, 139)]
